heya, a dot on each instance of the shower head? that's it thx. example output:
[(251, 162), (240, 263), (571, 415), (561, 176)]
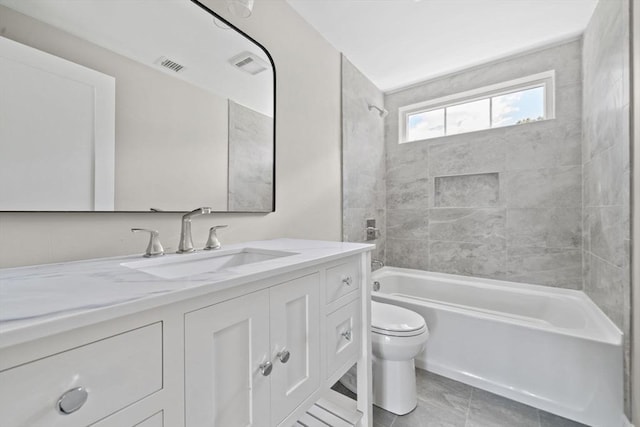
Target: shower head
[(381, 111)]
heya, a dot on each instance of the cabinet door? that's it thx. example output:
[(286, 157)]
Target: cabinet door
[(295, 328), (224, 346)]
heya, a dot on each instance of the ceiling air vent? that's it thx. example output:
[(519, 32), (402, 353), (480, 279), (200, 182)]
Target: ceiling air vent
[(249, 63), (165, 62)]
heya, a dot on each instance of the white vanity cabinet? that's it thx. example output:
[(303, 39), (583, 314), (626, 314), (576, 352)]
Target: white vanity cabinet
[(253, 358), (254, 346)]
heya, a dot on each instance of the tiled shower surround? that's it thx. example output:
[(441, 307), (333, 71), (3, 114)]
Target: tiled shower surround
[(501, 203), (544, 203), (363, 160), (606, 170)]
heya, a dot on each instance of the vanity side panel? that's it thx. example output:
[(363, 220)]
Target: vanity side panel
[(365, 376)]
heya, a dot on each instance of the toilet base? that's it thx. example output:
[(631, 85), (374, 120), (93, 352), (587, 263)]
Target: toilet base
[(394, 385)]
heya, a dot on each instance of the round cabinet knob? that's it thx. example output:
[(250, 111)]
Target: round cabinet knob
[(284, 355), (265, 368), (347, 334), (72, 400), (347, 280)]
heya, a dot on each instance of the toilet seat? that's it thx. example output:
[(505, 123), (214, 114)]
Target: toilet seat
[(399, 333), (391, 320)]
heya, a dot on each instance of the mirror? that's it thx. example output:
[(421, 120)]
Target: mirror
[(134, 106)]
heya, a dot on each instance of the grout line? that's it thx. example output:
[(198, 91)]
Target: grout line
[(604, 260), (466, 418), (622, 206)]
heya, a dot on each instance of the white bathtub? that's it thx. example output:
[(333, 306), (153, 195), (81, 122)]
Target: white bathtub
[(546, 347)]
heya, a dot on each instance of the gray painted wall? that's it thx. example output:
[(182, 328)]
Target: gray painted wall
[(363, 161), (606, 167), (502, 203)]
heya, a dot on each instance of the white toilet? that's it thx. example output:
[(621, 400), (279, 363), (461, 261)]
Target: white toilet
[(398, 335)]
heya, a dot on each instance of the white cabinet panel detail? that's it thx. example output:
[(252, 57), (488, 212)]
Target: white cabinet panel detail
[(224, 346), (295, 328)]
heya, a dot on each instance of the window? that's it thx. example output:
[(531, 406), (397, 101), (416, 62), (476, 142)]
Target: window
[(510, 103)]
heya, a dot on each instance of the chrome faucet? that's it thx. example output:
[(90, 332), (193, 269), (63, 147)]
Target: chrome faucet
[(377, 262), (186, 241)]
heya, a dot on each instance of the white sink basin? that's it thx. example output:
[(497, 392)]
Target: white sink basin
[(176, 266)]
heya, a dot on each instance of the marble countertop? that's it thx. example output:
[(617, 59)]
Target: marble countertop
[(40, 300)]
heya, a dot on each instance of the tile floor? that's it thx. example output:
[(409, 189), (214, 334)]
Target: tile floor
[(443, 402)]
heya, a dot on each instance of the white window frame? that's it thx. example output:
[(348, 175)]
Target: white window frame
[(545, 80)]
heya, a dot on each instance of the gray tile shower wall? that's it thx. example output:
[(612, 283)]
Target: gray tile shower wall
[(363, 161), (503, 203), (605, 163), (250, 160), (546, 202)]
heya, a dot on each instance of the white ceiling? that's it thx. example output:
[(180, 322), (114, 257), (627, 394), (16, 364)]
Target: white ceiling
[(396, 43)]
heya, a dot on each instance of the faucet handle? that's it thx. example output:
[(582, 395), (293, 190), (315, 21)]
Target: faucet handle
[(155, 247), (213, 242)]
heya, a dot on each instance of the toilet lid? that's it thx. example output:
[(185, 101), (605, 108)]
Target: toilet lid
[(389, 319)]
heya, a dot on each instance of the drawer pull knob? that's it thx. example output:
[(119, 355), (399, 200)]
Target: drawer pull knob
[(72, 400), (347, 334), (284, 355), (347, 280), (265, 368)]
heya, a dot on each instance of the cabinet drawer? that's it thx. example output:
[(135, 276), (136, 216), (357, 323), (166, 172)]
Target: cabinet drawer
[(114, 372), (126, 419), (342, 279), (343, 336), (153, 421)]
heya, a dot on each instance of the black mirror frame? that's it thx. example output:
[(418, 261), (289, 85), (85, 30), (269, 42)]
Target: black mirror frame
[(273, 66)]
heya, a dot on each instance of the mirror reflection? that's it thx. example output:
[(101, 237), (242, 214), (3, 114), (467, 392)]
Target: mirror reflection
[(133, 105)]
